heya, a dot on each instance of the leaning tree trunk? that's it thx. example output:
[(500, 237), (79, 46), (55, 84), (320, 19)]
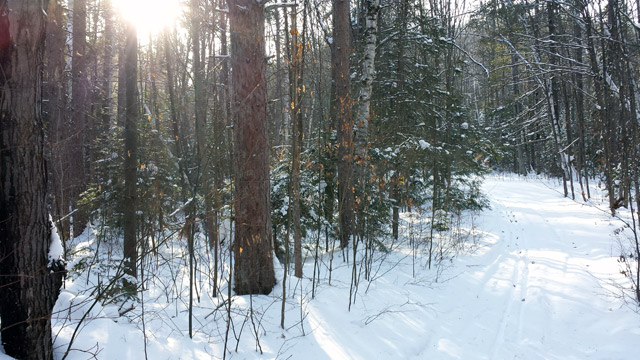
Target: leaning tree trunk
[(253, 252), (29, 281)]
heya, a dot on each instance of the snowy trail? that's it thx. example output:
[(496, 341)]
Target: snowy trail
[(538, 291), (535, 288)]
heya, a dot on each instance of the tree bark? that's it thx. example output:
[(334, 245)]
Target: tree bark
[(253, 268), (200, 90), (555, 103), (56, 115), (30, 281), (109, 33), (342, 108), (130, 154), (363, 115), (295, 95), (79, 104)]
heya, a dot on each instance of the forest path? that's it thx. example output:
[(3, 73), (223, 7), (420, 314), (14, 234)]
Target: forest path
[(536, 286), (538, 292)]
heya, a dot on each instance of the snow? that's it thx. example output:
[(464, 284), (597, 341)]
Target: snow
[(533, 277), (423, 144), (56, 251), (464, 125)]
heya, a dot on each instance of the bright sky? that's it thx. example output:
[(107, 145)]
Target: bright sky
[(149, 16)]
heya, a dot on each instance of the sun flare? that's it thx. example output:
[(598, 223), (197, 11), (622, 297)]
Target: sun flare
[(149, 16)]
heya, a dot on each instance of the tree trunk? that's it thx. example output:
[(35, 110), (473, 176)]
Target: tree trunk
[(30, 281), (79, 104), (295, 95), (372, 7), (555, 103), (122, 79), (579, 100), (342, 108), (56, 115), (130, 154), (200, 91), (279, 112), (253, 268), (173, 104), (109, 33)]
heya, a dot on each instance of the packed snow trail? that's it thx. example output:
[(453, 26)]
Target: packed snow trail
[(539, 292), (537, 287)]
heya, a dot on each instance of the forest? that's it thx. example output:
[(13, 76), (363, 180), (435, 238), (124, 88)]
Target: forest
[(215, 178)]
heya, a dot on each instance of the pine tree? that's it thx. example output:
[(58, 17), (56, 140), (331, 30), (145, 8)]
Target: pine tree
[(253, 268)]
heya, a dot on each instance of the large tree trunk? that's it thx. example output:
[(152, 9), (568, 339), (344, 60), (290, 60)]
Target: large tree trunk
[(29, 281), (342, 108), (253, 252), (130, 153)]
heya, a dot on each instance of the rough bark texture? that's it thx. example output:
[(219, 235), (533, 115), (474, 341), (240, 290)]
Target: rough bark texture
[(342, 108), (130, 152), (29, 285), (253, 266)]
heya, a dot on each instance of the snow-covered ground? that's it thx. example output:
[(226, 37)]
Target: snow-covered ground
[(534, 279)]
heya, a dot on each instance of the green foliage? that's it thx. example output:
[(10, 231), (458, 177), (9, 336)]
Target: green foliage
[(310, 204), (425, 143), (157, 189)]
